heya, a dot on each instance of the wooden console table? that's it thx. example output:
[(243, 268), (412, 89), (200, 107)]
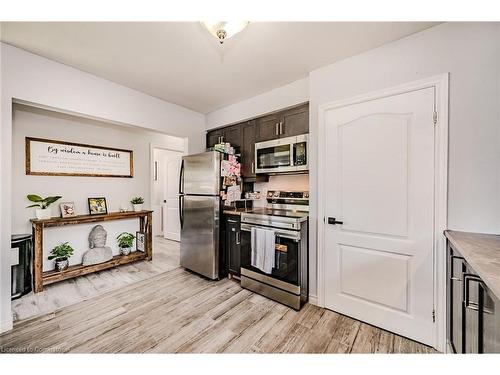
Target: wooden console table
[(44, 278)]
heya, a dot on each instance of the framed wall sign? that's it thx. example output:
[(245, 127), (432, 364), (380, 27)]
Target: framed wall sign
[(58, 158)]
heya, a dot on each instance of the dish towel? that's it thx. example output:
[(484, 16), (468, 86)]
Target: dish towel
[(262, 244)]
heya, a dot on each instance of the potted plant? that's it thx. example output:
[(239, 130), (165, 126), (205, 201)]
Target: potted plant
[(61, 254), (125, 242), (43, 212), (137, 203)]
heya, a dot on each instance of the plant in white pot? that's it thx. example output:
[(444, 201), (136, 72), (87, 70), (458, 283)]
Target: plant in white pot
[(125, 242), (61, 254), (43, 210), (137, 203)]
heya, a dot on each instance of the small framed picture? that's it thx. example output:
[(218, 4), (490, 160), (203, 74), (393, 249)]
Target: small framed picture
[(97, 206), (140, 241), (67, 209)]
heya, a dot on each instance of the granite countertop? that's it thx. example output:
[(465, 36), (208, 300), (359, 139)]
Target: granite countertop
[(482, 252)]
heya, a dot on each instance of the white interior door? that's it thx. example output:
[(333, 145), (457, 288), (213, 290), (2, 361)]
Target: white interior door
[(380, 183), (171, 223)]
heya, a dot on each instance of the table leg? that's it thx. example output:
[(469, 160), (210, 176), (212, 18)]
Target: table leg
[(38, 257), (149, 236)]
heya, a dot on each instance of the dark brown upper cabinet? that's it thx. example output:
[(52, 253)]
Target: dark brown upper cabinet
[(248, 150), (231, 134), (286, 123), (295, 121), (267, 127), (214, 137)]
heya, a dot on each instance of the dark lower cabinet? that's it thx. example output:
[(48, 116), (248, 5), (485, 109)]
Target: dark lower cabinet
[(473, 311), (232, 244)]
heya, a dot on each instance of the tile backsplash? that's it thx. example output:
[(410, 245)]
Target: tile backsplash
[(298, 182)]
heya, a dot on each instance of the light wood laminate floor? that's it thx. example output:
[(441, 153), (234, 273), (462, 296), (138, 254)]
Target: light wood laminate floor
[(69, 292), (176, 311)]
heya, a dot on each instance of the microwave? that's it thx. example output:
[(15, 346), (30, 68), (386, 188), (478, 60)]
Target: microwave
[(284, 155)]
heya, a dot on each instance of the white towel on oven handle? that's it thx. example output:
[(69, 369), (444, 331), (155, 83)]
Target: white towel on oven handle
[(263, 249)]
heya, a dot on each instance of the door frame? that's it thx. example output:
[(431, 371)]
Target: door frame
[(440, 83), (152, 146)]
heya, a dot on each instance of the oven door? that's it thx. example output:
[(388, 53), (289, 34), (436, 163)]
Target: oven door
[(287, 254)]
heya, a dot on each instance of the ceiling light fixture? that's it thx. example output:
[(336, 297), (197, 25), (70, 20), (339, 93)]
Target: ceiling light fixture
[(223, 30)]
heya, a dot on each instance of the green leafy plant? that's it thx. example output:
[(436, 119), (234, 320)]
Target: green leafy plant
[(42, 202), (137, 200), (61, 252), (125, 239)]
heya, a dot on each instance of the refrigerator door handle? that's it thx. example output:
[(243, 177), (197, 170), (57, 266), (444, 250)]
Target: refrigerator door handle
[(181, 209), (181, 178)]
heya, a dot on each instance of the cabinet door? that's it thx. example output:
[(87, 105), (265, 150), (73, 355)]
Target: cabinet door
[(232, 135), (472, 291), (248, 150), (490, 315), (456, 271), (233, 245), (294, 121), (267, 128), (213, 137)]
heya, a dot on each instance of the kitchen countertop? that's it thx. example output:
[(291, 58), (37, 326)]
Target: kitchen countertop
[(237, 212), (482, 252)]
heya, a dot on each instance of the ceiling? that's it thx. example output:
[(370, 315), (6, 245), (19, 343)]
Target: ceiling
[(182, 63)]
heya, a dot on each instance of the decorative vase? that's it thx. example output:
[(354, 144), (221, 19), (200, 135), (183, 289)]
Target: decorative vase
[(62, 264), (138, 207), (43, 213), (125, 250)]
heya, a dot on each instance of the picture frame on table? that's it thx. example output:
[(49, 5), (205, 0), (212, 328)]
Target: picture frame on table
[(140, 241), (67, 209), (97, 206)]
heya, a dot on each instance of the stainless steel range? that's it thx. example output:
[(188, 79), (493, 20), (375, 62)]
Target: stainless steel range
[(285, 219)]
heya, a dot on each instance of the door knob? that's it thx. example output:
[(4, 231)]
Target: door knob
[(332, 221)]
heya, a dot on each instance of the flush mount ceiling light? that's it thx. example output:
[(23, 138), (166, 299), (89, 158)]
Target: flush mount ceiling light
[(223, 30)]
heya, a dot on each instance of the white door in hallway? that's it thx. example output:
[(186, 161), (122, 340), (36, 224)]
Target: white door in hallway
[(171, 222), (379, 182)]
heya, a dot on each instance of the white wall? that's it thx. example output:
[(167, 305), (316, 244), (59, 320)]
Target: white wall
[(285, 96), (34, 79), (470, 52), (33, 122)]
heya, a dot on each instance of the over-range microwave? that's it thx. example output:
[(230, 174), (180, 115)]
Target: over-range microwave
[(284, 155)]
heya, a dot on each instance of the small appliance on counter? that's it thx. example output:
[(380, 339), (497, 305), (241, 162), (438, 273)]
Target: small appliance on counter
[(274, 248)]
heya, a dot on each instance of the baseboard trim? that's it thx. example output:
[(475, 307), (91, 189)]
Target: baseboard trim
[(313, 299), (6, 326)]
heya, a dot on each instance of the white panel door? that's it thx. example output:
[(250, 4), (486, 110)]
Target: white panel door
[(380, 183), (171, 223)]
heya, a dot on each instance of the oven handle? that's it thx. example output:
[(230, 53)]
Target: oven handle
[(293, 235)]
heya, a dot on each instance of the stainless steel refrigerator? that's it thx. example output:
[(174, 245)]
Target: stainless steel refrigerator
[(199, 206)]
